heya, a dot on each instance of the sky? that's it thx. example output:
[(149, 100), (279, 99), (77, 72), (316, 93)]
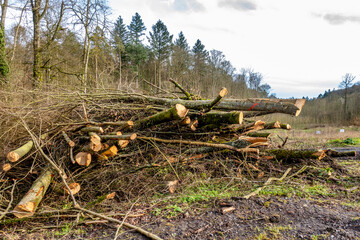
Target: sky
[(301, 47)]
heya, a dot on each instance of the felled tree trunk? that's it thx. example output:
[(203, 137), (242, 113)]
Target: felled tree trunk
[(16, 154), (27, 206), (272, 125), (333, 153), (175, 113), (288, 106), (286, 154), (220, 118)]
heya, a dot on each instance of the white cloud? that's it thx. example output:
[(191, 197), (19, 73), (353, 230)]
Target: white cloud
[(243, 5)]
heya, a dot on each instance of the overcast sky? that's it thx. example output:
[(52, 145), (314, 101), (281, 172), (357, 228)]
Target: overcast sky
[(302, 47)]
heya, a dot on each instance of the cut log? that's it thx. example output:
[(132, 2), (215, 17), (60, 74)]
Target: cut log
[(95, 129), (185, 121), (288, 106), (222, 94), (122, 143), (6, 167), (193, 125), (272, 125), (285, 126), (74, 188), (259, 134), (285, 154), (334, 153), (131, 137), (254, 139), (27, 206), (68, 140), (109, 152), (15, 155), (120, 124), (83, 158), (220, 118), (175, 113)]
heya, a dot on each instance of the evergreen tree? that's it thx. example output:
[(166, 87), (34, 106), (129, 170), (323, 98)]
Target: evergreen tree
[(120, 38), (120, 33), (136, 50), (136, 29), (181, 42), (160, 43), (200, 56), (181, 60), (199, 51)]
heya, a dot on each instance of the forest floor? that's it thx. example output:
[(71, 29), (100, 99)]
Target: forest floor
[(319, 199)]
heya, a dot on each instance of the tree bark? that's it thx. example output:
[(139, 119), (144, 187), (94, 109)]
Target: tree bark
[(18, 153), (27, 206), (175, 113), (288, 106), (220, 118), (287, 154)]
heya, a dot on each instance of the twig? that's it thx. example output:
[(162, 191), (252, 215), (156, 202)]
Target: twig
[(187, 94), (138, 229), (11, 200), (126, 215), (157, 148), (267, 183), (76, 205), (214, 145), (153, 85), (59, 171)]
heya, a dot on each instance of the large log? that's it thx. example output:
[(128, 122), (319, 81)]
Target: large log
[(220, 118), (175, 113), (288, 106), (287, 154), (27, 206), (16, 154)]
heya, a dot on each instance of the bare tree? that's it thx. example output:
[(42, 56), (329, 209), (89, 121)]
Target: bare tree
[(346, 83), (39, 9), (89, 15)]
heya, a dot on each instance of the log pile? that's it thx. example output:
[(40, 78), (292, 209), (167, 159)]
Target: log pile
[(193, 127)]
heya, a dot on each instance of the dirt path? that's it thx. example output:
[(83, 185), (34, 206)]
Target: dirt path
[(264, 218)]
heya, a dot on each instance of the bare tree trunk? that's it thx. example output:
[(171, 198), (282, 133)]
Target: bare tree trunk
[(119, 84), (4, 6), (17, 32)]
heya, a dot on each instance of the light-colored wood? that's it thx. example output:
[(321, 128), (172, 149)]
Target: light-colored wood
[(28, 204), (68, 140), (83, 158), (18, 153), (95, 129), (175, 113), (6, 167), (74, 188)]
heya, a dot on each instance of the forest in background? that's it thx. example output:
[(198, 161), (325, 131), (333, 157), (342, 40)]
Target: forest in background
[(73, 45)]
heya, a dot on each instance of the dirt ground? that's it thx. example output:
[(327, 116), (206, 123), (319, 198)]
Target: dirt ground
[(273, 214)]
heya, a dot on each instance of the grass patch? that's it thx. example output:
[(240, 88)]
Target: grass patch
[(300, 191), (344, 143)]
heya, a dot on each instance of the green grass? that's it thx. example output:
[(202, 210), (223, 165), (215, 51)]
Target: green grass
[(344, 143), (300, 191)]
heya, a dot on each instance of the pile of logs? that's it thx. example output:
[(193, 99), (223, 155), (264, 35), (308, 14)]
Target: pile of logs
[(229, 119)]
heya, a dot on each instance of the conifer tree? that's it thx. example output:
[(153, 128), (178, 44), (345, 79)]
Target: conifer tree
[(136, 29), (120, 39), (160, 43)]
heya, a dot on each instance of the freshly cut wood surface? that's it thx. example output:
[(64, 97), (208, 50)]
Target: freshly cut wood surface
[(28, 204)]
